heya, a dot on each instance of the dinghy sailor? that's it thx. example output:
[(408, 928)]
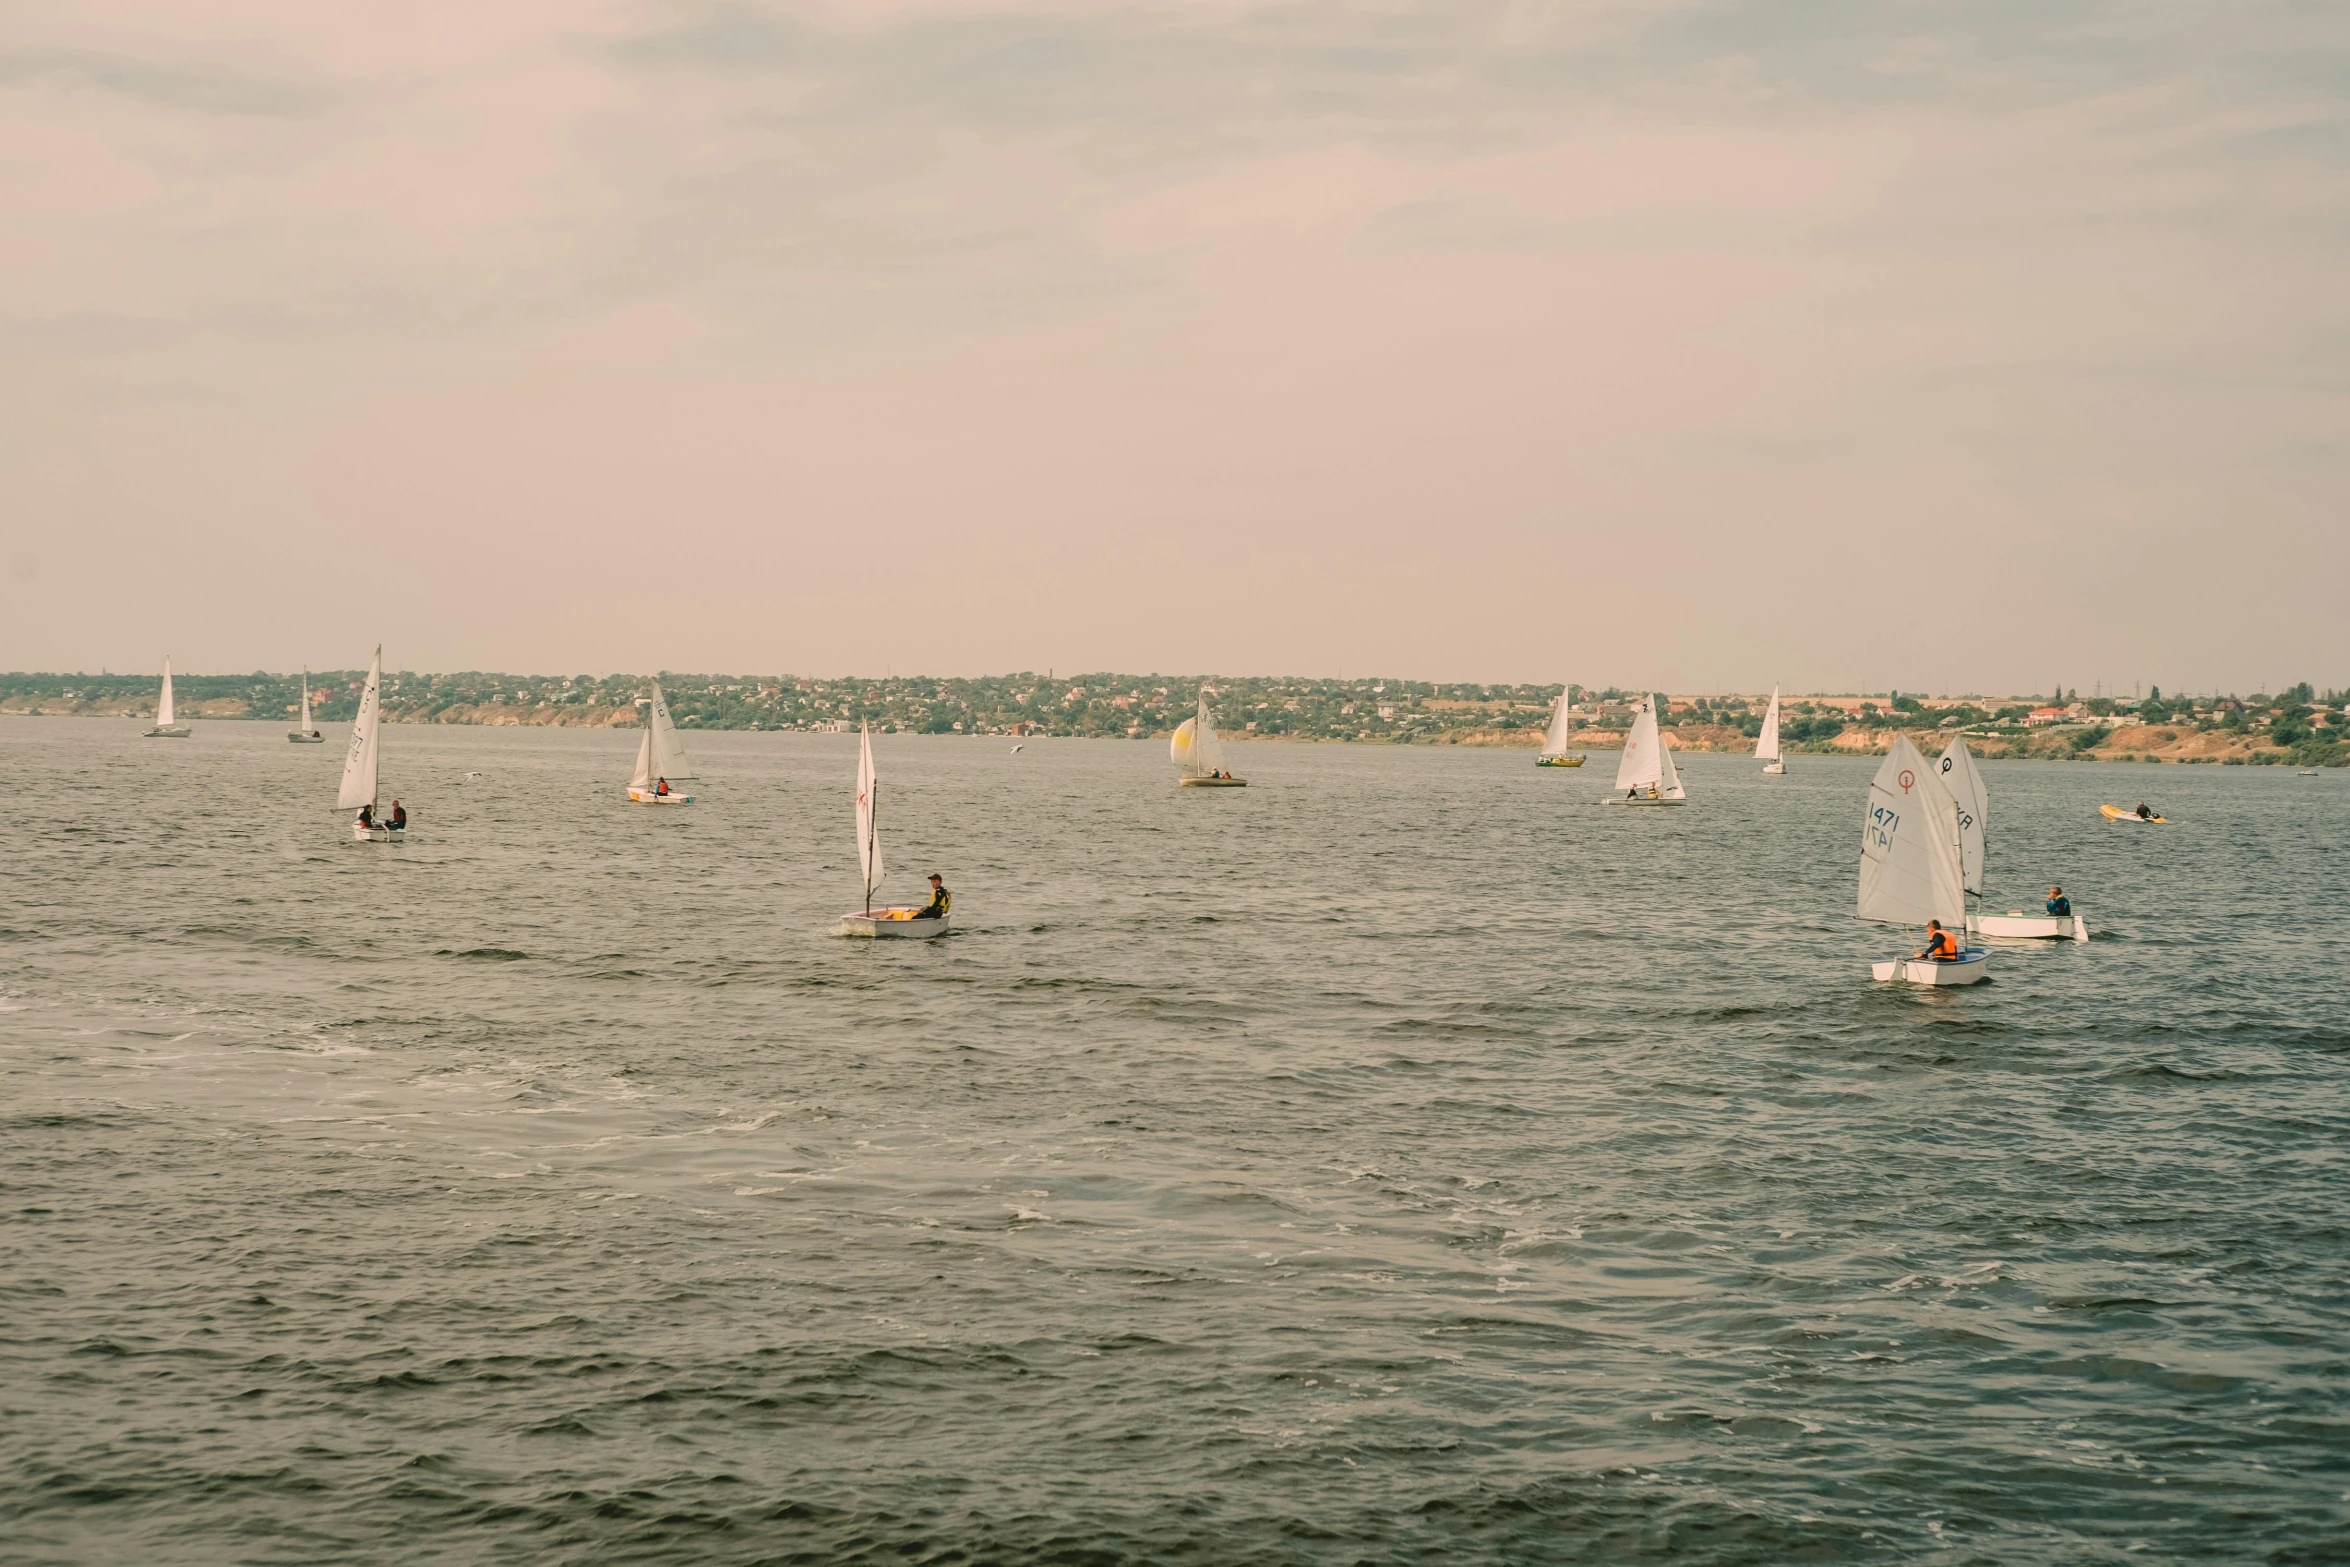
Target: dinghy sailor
[(941, 900), (367, 816), (2145, 812), (661, 786), (399, 821), (2058, 904), (1941, 947)]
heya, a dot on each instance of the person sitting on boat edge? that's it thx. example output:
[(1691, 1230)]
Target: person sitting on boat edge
[(1941, 947), (2145, 814), (941, 900), (2058, 904), (367, 817), (399, 822), (660, 786)]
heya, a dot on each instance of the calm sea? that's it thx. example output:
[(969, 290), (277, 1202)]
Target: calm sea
[(1404, 1159)]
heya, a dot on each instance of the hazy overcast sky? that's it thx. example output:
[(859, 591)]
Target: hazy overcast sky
[(1939, 345)]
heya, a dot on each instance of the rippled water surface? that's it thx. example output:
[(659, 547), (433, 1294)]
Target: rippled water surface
[(1404, 1159)]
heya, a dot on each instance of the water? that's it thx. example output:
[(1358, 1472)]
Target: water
[(1404, 1159)]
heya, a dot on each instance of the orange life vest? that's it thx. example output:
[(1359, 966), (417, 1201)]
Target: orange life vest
[(1942, 945)]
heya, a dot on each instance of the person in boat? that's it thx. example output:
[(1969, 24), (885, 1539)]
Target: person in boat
[(1941, 947), (660, 787), (2145, 812), (2058, 904), (941, 900), (367, 817), (399, 821)]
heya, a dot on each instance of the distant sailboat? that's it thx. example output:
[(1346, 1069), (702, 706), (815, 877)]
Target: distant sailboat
[(1199, 755), (360, 766), (1646, 774), (1766, 749), (1956, 767), (1554, 742), (305, 735), (660, 759), (1913, 865), (165, 728), (885, 921)]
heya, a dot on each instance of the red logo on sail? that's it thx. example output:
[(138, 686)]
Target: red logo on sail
[(1907, 778)]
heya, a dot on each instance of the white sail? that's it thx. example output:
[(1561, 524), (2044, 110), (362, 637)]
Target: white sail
[(1562, 719), (1668, 776), (668, 754), (1195, 748), (868, 814), (359, 767), (1910, 865), (1956, 767), (1766, 749), (1643, 751), (163, 719), (642, 778), (305, 701)]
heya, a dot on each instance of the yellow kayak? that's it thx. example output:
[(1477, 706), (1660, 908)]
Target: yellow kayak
[(2114, 813)]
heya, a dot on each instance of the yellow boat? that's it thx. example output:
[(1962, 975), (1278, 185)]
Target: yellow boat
[(2114, 813), (1558, 761)]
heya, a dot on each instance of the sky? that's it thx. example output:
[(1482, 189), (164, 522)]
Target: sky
[(1916, 344)]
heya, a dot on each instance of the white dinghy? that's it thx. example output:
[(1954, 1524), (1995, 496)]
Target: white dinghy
[(361, 765), (1912, 868), (885, 922), (305, 735), (1199, 754), (1956, 767), (660, 759), (1554, 741), (1646, 774), (165, 727), (1766, 746)]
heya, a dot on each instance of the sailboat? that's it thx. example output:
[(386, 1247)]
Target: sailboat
[(1913, 865), (1554, 742), (305, 735), (660, 760), (885, 921), (359, 767), (1199, 755), (165, 728), (1956, 766), (1766, 749), (1646, 774)]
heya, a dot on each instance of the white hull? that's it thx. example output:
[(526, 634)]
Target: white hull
[(379, 834), (648, 797), (297, 737), (1617, 799), (1775, 770), (1211, 783), (1558, 761), (167, 732), (897, 924), (1963, 970), (2015, 925)]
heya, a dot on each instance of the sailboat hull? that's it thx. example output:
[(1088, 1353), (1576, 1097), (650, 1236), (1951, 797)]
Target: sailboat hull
[(168, 732), (378, 834), (1775, 770), (1617, 799), (648, 797), (2015, 925), (1558, 761), (1211, 783), (894, 925), (1964, 969)]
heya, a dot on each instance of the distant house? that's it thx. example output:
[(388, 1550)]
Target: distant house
[(2046, 715)]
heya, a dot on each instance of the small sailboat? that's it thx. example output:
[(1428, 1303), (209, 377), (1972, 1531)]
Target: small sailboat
[(886, 921), (2112, 813), (1913, 865), (1646, 774), (1957, 770), (361, 765), (305, 735), (1554, 742), (660, 759), (1766, 746), (1199, 755), (165, 726)]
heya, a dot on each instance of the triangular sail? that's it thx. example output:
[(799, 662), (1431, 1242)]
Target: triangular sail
[(1195, 748), (1956, 767), (642, 778), (1562, 718), (868, 815), (305, 701), (359, 767), (1766, 749), (163, 716), (1668, 776), (1642, 750), (1910, 865), (668, 757)]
